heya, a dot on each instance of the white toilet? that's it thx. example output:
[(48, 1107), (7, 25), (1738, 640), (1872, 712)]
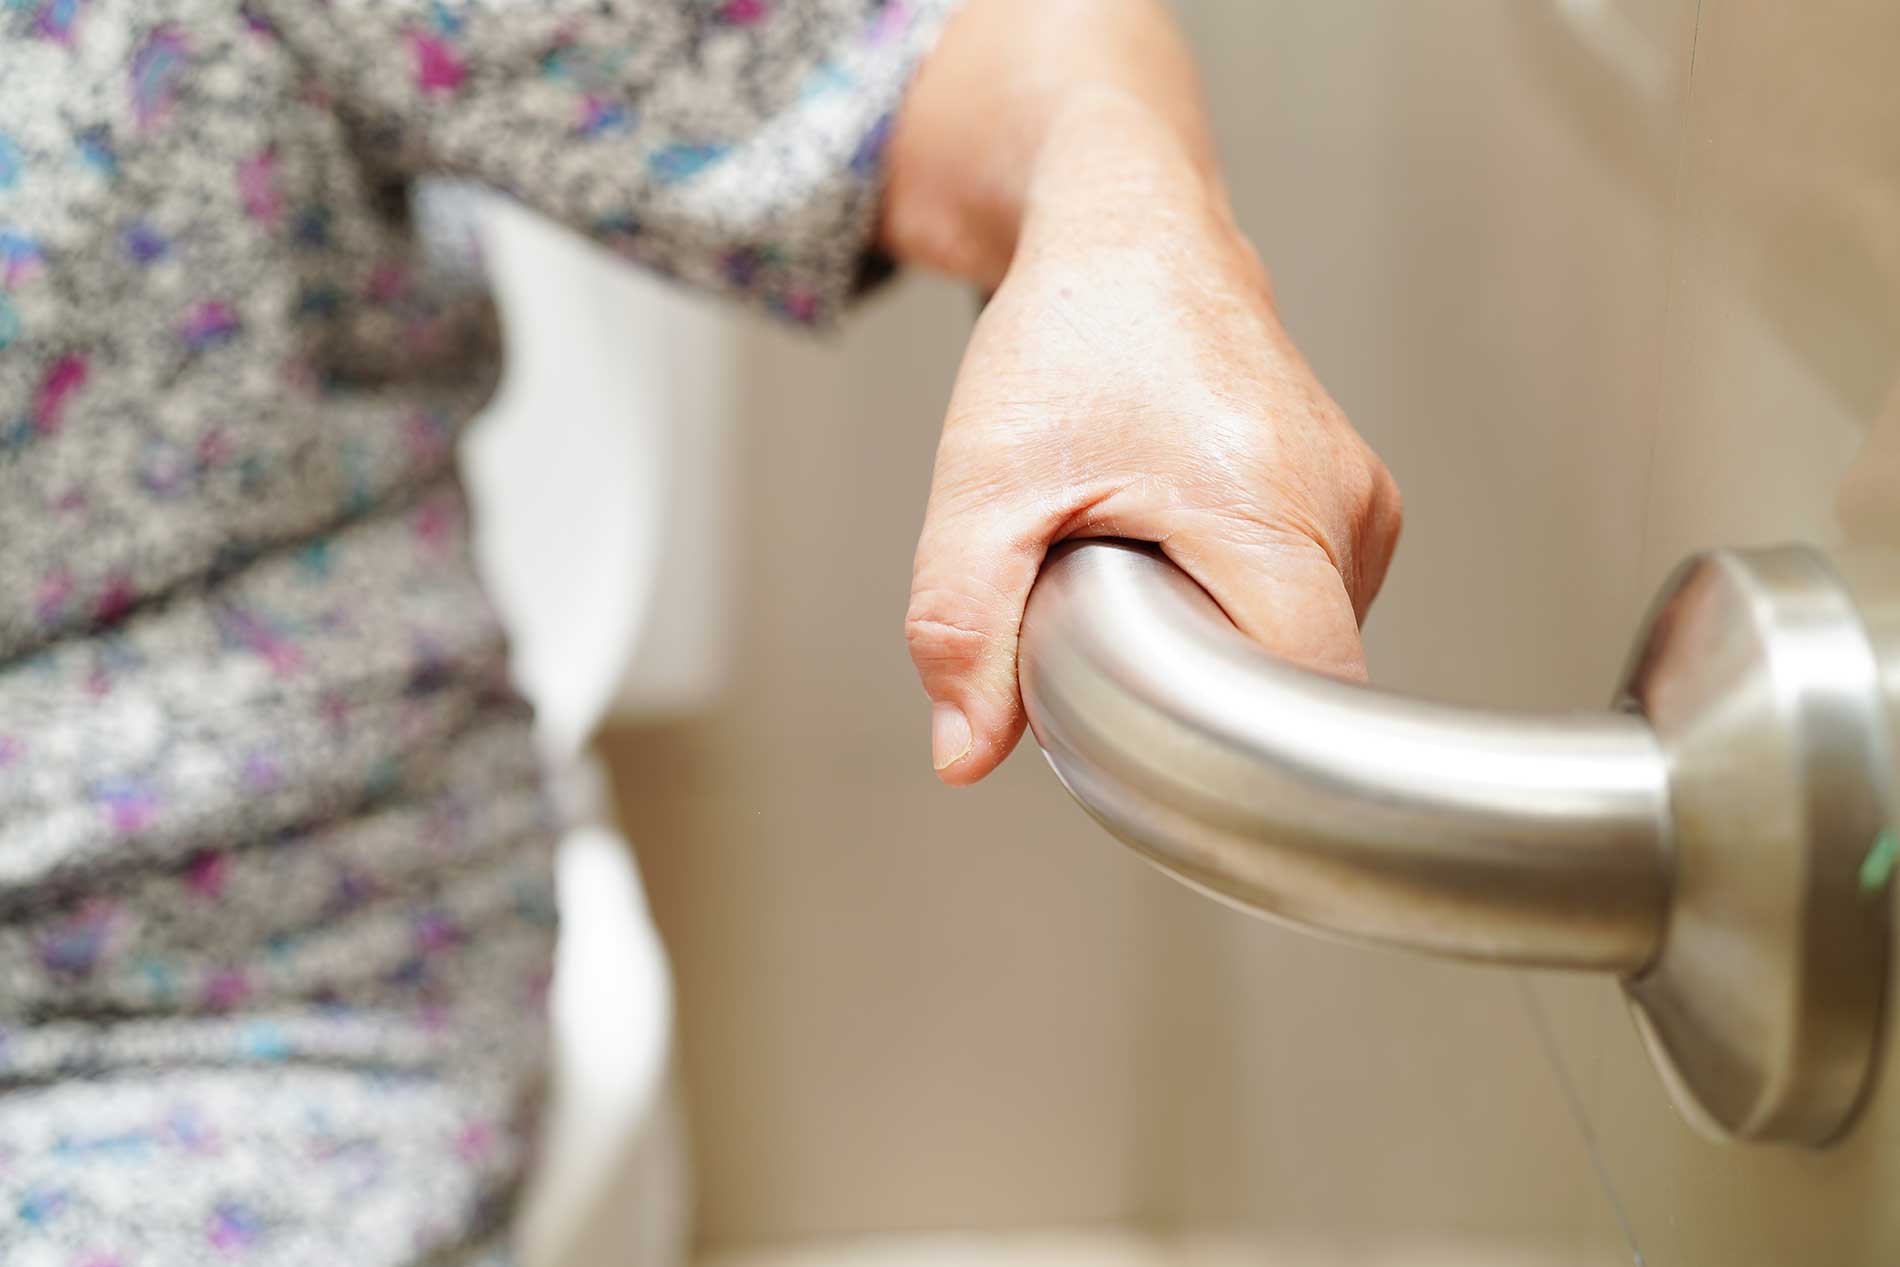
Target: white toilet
[(597, 474)]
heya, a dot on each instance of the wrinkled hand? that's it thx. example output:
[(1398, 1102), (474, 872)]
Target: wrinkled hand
[(1129, 378)]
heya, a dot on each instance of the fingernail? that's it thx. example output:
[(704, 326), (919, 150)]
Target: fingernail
[(949, 736)]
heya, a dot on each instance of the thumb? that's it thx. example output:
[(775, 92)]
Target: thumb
[(968, 588)]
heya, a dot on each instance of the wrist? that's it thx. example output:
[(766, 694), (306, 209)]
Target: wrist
[(1101, 166), (1112, 169), (1043, 112)]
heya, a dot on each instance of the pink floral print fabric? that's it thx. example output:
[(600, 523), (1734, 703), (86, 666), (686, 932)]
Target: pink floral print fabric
[(275, 897)]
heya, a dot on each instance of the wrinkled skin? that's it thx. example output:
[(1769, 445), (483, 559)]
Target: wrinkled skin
[(1130, 378)]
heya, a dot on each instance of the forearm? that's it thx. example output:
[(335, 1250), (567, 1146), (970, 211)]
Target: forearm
[(1062, 109)]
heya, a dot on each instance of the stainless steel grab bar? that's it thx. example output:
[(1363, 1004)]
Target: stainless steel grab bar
[(1709, 842)]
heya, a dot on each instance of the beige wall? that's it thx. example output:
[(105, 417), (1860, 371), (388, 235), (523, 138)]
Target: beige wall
[(903, 1007)]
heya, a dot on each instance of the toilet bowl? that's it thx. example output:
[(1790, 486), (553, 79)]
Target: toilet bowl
[(597, 481)]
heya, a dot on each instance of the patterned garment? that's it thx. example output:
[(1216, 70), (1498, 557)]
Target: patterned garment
[(275, 896)]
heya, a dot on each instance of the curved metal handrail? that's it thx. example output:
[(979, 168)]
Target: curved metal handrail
[(1712, 844), (1519, 839)]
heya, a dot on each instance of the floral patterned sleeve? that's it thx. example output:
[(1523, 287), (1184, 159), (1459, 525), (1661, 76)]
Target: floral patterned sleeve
[(735, 144)]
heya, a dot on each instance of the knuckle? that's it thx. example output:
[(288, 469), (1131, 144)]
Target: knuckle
[(1385, 509), (1370, 499), (939, 644), (1360, 476), (946, 632)]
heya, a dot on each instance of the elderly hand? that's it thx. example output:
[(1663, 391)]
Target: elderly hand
[(1129, 378)]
